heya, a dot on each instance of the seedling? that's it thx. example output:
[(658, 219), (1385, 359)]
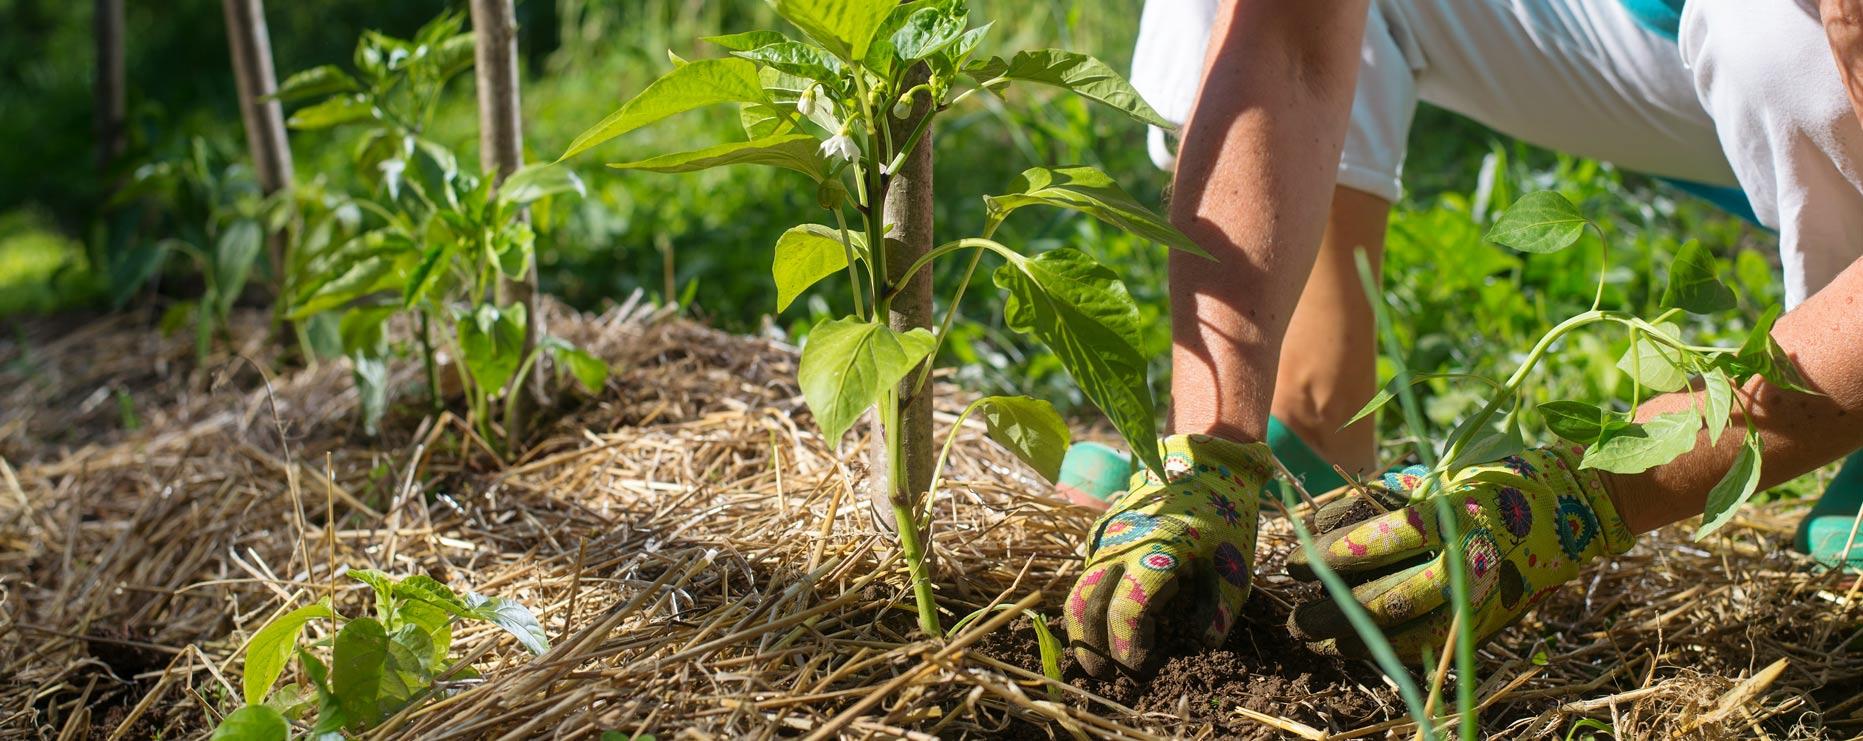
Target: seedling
[(441, 238), (1659, 361), (370, 667), (826, 108)]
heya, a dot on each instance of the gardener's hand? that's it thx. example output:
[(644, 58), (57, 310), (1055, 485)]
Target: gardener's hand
[(1527, 523), (1180, 549)]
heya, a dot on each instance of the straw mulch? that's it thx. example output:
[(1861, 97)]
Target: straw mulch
[(706, 566)]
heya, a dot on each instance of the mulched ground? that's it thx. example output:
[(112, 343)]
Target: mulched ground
[(706, 566)]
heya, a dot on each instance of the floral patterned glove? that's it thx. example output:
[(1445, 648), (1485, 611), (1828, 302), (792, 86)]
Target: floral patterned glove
[(1182, 546), (1527, 524)]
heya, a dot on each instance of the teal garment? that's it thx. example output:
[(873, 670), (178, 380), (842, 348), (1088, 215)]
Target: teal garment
[(1826, 528), (1659, 16), (1092, 473)]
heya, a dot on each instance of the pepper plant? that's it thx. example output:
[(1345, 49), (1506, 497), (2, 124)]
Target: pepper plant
[(369, 667), (442, 238), (1659, 360), (827, 106)]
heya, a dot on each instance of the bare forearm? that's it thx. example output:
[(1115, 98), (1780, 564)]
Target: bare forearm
[(1843, 25), (1798, 432), (1255, 176)]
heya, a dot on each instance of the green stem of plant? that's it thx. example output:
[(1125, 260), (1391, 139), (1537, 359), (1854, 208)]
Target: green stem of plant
[(853, 266), (433, 371), (905, 517), (944, 329), (1511, 387)]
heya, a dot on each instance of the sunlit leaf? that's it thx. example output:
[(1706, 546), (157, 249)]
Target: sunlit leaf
[(805, 255), (1733, 490), (533, 182), (695, 85), (316, 82), (790, 151), (356, 662), (589, 371), (1028, 427), (492, 341), (1636, 448), (1485, 444), (846, 27), (747, 40), (1694, 283), (1539, 222), (271, 648), (335, 111), (927, 31), (848, 364), (513, 617), (1717, 401), (1081, 74), (1080, 310), (1574, 420), (1655, 365), (252, 723), (797, 58), (1761, 355), (1091, 192)]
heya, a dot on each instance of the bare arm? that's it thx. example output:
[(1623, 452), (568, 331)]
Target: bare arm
[(1798, 432), (1843, 25), (1254, 180)]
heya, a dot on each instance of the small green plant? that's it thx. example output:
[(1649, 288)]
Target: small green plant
[(440, 241), (834, 108), (218, 218), (1658, 361), (369, 667)]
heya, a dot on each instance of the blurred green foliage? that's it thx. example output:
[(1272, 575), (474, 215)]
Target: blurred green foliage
[(706, 238)]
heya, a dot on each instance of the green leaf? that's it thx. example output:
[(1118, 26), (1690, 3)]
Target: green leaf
[(493, 342), (426, 273), (252, 723), (233, 256), (806, 254), (1655, 365), (1761, 355), (436, 621), (1389, 391), (364, 330), (846, 27), (515, 618), (761, 120), (1485, 445), (1574, 420), (1733, 490), (1049, 646), (1028, 427), (1540, 222), (1080, 310), (797, 58), (356, 669), (371, 376), (408, 669), (533, 182), (316, 82), (695, 85), (1636, 448), (1694, 284), (928, 31), (590, 371), (335, 111), (1078, 73), (790, 151), (747, 40), (1717, 402), (271, 648), (381, 584), (847, 364), (1091, 192)]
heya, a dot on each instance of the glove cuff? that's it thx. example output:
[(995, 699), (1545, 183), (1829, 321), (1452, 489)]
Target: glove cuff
[(1589, 485), (1248, 465)]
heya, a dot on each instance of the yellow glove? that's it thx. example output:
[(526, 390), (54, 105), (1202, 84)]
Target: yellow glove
[(1527, 524), (1182, 546)]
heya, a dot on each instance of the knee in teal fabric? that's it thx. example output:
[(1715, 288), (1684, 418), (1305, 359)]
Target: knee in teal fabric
[(1313, 471), (1827, 527)]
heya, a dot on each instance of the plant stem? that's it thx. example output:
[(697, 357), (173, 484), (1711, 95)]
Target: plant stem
[(906, 518), (853, 268), (433, 370)]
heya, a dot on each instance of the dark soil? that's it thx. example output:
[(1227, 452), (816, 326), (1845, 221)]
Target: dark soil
[(1261, 667)]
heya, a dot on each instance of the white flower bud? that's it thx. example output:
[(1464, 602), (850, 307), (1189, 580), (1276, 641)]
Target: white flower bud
[(842, 146), (809, 102)]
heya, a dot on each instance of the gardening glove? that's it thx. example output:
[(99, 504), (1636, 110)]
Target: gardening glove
[(1171, 554), (1527, 524)]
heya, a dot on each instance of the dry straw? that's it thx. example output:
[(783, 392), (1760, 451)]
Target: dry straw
[(707, 568)]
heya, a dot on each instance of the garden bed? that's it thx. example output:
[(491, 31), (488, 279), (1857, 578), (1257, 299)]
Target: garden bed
[(706, 565)]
